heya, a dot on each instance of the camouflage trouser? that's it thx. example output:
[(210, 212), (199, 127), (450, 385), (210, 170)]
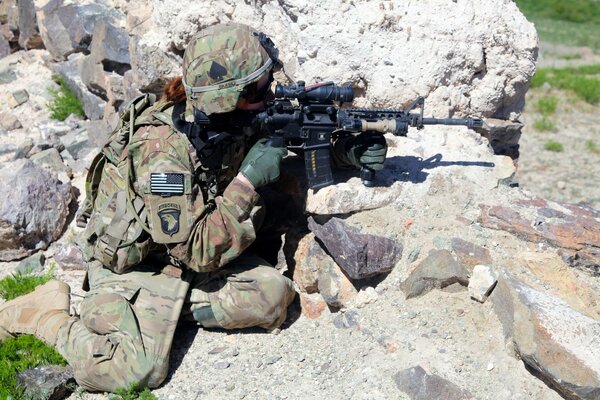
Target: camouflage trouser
[(127, 322)]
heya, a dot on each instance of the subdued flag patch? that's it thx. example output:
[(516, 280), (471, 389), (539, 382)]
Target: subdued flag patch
[(166, 183)]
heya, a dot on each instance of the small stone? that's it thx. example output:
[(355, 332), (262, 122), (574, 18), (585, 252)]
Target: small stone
[(218, 350), (439, 270), (312, 305), (17, 98), (272, 360), (482, 282), (300, 358), (24, 149), (9, 122), (221, 364), (366, 296), (419, 385), (7, 76), (490, 366), (69, 257), (47, 382), (414, 254), (561, 185), (32, 264), (390, 345), (346, 320), (412, 315)]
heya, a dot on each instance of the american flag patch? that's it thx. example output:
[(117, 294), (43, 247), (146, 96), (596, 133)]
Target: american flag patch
[(166, 184)]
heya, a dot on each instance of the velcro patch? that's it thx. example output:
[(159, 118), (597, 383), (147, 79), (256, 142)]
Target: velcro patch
[(166, 184)]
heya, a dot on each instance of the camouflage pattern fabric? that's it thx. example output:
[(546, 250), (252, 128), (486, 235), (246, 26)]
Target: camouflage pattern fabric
[(248, 292), (126, 328), (127, 323), (214, 57)]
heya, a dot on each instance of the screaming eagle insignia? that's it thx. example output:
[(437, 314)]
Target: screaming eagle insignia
[(169, 214)]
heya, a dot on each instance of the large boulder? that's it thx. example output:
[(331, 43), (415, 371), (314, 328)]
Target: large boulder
[(34, 206), (67, 27), (558, 342), (469, 57)]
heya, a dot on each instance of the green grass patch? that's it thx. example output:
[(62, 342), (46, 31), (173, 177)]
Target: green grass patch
[(584, 81), (64, 101), (19, 284), (19, 354), (133, 393), (573, 23), (569, 57), (592, 146), (578, 11), (22, 352), (544, 125), (547, 105), (554, 146)]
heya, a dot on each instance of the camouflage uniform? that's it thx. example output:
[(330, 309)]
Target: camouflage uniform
[(192, 249)]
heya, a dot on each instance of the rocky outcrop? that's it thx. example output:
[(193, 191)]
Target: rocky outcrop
[(67, 28), (558, 342), (34, 206), (575, 229), (456, 61)]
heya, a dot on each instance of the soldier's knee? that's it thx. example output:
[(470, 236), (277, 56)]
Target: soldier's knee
[(105, 313), (278, 288)]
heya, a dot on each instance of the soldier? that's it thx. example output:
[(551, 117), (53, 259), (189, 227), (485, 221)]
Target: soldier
[(170, 211)]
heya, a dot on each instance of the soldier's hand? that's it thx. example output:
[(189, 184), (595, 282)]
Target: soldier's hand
[(261, 165), (368, 150)]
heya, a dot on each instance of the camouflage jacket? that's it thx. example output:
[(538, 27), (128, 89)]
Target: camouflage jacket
[(155, 198)]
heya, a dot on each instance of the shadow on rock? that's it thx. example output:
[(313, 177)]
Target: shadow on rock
[(412, 169)]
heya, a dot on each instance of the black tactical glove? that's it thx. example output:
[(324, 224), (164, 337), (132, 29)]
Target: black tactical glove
[(261, 165), (366, 150)]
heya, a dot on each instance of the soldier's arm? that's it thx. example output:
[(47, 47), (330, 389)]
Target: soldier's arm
[(224, 231)]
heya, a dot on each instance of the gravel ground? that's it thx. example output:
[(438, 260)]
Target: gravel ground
[(571, 175)]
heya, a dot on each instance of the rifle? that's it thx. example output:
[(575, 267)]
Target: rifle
[(309, 124)]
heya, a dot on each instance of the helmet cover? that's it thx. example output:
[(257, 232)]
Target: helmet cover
[(219, 63)]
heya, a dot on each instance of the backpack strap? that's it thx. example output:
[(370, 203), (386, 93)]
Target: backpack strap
[(92, 181)]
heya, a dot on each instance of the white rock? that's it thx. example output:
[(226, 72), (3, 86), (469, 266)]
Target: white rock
[(365, 296), (468, 57), (482, 282)]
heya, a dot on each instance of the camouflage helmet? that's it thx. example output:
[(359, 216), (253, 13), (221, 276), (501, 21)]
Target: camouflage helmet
[(221, 61)]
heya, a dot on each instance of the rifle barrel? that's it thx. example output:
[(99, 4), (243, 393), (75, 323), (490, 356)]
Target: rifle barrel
[(468, 122)]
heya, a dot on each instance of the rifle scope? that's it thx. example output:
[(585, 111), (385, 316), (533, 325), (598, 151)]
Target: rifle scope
[(327, 91)]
